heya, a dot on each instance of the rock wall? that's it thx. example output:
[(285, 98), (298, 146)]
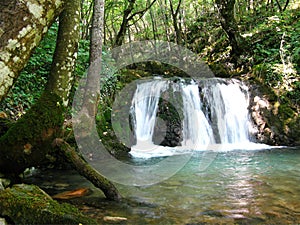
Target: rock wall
[(168, 131), (274, 122)]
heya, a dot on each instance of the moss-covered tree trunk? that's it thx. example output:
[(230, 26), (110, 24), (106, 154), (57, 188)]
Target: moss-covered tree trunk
[(31, 138), (63, 64), (28, 141), (229, 25), (22, 26)]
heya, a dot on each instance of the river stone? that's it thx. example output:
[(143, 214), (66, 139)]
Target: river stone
[(28, 204), (114, 219)]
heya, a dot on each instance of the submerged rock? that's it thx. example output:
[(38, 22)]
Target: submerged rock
[(114, 219), (28, 204)]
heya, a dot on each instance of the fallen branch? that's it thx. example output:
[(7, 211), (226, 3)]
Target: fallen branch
[(84, 169)]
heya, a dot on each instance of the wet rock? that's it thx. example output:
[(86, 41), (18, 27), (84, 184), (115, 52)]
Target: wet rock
[(28, 204), (274, 122), (168, 131), (114, 219)]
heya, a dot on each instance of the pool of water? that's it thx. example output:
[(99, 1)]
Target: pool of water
[(239, 187)]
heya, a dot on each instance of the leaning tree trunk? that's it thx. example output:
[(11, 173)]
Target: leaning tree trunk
[(22, 26), (29, 140)]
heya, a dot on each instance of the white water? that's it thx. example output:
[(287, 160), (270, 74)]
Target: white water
[(228, 105), (145, 105), (197, 131), (217, 121)]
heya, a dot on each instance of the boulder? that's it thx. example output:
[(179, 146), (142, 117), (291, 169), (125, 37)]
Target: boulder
[(28, 204)]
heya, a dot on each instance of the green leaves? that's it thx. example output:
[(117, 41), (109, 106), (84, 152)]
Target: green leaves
[(32, 80)]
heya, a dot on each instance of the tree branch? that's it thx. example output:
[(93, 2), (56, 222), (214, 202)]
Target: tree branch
[(84, 169), (141, 12)]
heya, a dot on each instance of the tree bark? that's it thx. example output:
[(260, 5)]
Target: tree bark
[(29, 140), (22, 26), (92, 88), (174, 14), (61, 75), (229, 25)]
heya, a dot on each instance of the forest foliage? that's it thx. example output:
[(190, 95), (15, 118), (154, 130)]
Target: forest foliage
[(270, 28)]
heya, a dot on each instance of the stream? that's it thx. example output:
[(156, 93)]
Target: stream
[(239, 187)]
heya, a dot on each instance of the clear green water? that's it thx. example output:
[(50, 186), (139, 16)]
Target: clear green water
[(239, 187)]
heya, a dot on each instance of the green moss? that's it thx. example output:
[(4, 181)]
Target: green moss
[(46, 113), (285, 112), (28, 204), (37, 128)]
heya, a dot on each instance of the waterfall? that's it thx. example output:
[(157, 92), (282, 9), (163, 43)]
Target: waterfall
[(144, 108), (196, 128), (215, 111), (227, 103)]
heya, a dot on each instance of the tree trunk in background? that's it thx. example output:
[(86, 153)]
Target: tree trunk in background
[(123, 28), (174, 14), (92, 88), (127, 17), (22, 26), (229, 25)]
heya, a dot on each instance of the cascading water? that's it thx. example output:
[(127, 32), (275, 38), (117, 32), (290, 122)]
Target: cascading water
[(144, 107), (197, 131), (227, 103), (215, 111)]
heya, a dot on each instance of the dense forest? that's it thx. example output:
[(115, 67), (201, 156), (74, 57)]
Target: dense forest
[(47, 47)]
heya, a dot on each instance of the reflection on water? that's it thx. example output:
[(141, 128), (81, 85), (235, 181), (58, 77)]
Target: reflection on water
[(239, 187)]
